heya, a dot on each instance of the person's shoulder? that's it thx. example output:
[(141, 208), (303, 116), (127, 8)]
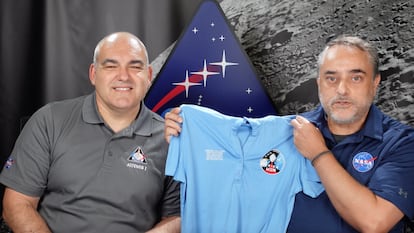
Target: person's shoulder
[(192, 108), (395, 130), (64, 103), (278, 118), (391, 123), (314, 113), (203, 113), (156, 117), (148, 114), (53, 112), (64, 106)]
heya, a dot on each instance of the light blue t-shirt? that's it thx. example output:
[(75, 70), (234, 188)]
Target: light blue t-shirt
[(237, 174)]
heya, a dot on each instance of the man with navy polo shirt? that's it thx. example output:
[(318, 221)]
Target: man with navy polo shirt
[(368, 166), (95, 163), (364, 158)]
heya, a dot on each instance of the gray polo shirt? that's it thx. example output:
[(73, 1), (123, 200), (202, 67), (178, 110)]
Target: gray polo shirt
[(92, 179)]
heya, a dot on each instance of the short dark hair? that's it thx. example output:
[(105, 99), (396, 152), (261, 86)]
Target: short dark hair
[(354, 41)]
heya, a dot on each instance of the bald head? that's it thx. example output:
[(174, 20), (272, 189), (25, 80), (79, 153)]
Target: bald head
[(119, 37)]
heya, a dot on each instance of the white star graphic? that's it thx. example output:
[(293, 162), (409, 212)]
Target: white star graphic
[(205, 73), (223, 63), (195, 30), (187, 84)]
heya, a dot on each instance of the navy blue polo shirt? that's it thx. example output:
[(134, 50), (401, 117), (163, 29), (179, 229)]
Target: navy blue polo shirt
[(379, 156)]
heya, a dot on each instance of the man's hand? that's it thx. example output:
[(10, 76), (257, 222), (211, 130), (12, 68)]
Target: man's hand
[(172, 123), (167, 225), (307, 138)]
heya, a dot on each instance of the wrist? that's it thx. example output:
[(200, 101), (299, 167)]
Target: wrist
[(318, 156)]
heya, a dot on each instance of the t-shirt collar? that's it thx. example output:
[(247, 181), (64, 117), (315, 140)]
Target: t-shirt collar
[(372, 127), (141, 126)]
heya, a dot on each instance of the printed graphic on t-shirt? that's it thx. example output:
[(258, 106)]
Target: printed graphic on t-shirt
[(272, 162)]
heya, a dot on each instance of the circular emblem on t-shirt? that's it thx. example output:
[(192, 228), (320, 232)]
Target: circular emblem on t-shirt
[(272, 162), (363, 161)]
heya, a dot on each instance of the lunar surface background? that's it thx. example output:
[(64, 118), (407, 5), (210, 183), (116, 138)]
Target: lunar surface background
[(283, 39)]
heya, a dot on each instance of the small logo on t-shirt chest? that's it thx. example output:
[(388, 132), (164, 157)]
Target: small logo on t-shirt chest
[(272, 162), (363, 161), (137, 159), (214, 154)]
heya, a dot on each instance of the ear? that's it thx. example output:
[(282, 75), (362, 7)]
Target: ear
[(318, 81), (377, 81), (150, 73), (92, 73), (150, 78)]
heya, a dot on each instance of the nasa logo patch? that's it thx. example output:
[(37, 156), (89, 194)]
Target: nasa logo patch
[(272, 162), (9, 163), (363, 161)]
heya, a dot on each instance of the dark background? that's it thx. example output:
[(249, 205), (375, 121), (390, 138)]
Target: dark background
[(47, 45)]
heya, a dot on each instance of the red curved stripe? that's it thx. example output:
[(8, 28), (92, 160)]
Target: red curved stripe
[(195, 78)]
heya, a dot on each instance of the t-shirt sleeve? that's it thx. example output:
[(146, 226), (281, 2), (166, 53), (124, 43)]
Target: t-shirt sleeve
[(311, 183), (173, 164), (27, 167), (393, 179)]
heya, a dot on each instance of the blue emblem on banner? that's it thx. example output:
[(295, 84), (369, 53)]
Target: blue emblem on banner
[(208, 67), (363, 161)]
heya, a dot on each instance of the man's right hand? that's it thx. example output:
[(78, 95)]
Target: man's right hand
[(172, 123)]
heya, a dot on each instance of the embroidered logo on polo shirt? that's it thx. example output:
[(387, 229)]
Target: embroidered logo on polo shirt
[(403, 193), (9, 163), (138, 156), (363, 161), (272, 162), (138, 159)]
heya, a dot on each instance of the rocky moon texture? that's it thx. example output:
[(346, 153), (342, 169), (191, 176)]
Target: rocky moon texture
[(283, 38)]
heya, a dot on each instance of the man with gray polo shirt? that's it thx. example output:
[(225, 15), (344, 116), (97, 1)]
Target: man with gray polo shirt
[(95, 163)]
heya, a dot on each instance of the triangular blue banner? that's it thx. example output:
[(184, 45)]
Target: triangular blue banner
[(209, 67)]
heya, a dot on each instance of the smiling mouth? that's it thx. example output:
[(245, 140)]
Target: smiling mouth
[(122, 88)]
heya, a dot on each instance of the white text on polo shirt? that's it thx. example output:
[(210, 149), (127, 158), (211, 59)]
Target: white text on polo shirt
[(214, 154), (137, 166)]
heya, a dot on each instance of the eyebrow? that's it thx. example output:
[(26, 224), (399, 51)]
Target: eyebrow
[(356, 71), (106, 61), (353, 71), (133, 62)]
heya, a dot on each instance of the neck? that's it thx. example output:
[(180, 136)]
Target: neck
[(118, 120), (344, 129)]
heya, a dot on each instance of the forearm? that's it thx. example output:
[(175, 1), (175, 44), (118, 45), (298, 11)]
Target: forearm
[(167, 225), (24, 219), (355, 203), (20, 213)]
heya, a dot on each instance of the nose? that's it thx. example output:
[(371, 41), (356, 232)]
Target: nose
[(123, 74), (342, 88)]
